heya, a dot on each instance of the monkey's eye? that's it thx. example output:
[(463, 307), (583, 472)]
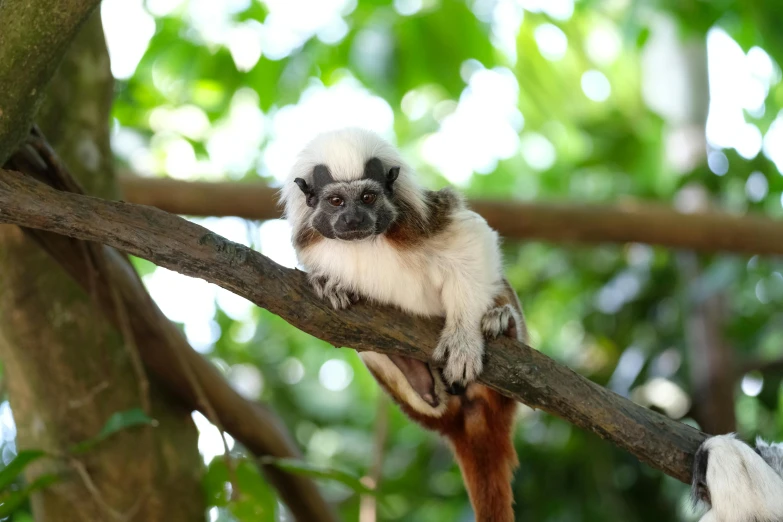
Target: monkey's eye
[(336, 201), (368, 198)]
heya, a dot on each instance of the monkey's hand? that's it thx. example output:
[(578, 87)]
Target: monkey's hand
[(462, 350), (339, 295), (501, 320)]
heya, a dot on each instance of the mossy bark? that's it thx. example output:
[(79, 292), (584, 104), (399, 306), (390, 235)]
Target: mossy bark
[(34, 35), (67, 369)]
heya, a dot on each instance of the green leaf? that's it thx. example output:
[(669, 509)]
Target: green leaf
[(642, 37), (255, 500), (214, 483), (11, 500), (310, 470), (124, 419), (118, 421), (142, 266), (16, 466)]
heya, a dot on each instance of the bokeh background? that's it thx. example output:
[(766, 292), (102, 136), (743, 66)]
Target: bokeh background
[(670, 101)]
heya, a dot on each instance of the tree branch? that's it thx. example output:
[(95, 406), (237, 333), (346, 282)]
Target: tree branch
[(712, 367), (511, 367), (34, 35), (766, 367), (167, 353), (630, 222)]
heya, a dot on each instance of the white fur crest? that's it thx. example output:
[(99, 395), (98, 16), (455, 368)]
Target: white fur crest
[(345, 152), (742, 486)]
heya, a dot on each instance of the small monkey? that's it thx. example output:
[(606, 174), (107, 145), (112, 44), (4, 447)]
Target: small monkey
[(363, 228), (738, 483)]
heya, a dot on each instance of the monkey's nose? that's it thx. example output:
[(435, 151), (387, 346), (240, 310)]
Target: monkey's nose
[(353, 220)]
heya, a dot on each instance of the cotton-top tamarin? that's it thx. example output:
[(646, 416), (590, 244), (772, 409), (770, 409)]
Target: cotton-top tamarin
[(363, 228)]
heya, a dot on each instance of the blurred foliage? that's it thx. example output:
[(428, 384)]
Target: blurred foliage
[(614, 313), (13, 492)]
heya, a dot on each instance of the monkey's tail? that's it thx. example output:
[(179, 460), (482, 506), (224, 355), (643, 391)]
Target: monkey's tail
[(485, 453)]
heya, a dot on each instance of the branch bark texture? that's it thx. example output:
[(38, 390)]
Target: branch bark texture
[(556, 222), (511, 367)]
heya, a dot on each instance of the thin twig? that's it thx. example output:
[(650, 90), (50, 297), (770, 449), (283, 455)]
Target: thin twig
[(95, 493), (368, 505), (91, 394), (213, 417)]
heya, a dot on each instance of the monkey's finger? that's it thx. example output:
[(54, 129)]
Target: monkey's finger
[(511, 330), (455, 389)]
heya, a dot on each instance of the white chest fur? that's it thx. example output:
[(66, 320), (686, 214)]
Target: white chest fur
[(376, 270)]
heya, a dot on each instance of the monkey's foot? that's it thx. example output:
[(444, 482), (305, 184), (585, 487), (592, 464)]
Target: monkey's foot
[(462, 351), (338, 295), (499, 321)]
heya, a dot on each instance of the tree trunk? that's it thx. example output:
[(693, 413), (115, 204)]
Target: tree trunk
[(67, 369), (709, 355)]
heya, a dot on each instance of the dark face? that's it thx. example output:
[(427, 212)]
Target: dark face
[(351, 210)]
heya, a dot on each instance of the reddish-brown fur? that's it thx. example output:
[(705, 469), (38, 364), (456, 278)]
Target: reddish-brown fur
[(305, 237), (410, 229), (479, 425)]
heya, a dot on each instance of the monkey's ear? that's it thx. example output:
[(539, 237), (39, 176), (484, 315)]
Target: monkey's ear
[(391, 177), (308, 192), (302, 184)]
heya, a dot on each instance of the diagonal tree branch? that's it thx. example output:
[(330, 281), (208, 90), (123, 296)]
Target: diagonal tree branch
[(511, 367), (162, 346), (629, 222)]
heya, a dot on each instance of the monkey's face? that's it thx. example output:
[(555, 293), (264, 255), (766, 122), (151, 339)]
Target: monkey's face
[(351, 210)]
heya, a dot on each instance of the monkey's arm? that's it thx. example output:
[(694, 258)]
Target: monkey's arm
[(472, 277), (506, 317)]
